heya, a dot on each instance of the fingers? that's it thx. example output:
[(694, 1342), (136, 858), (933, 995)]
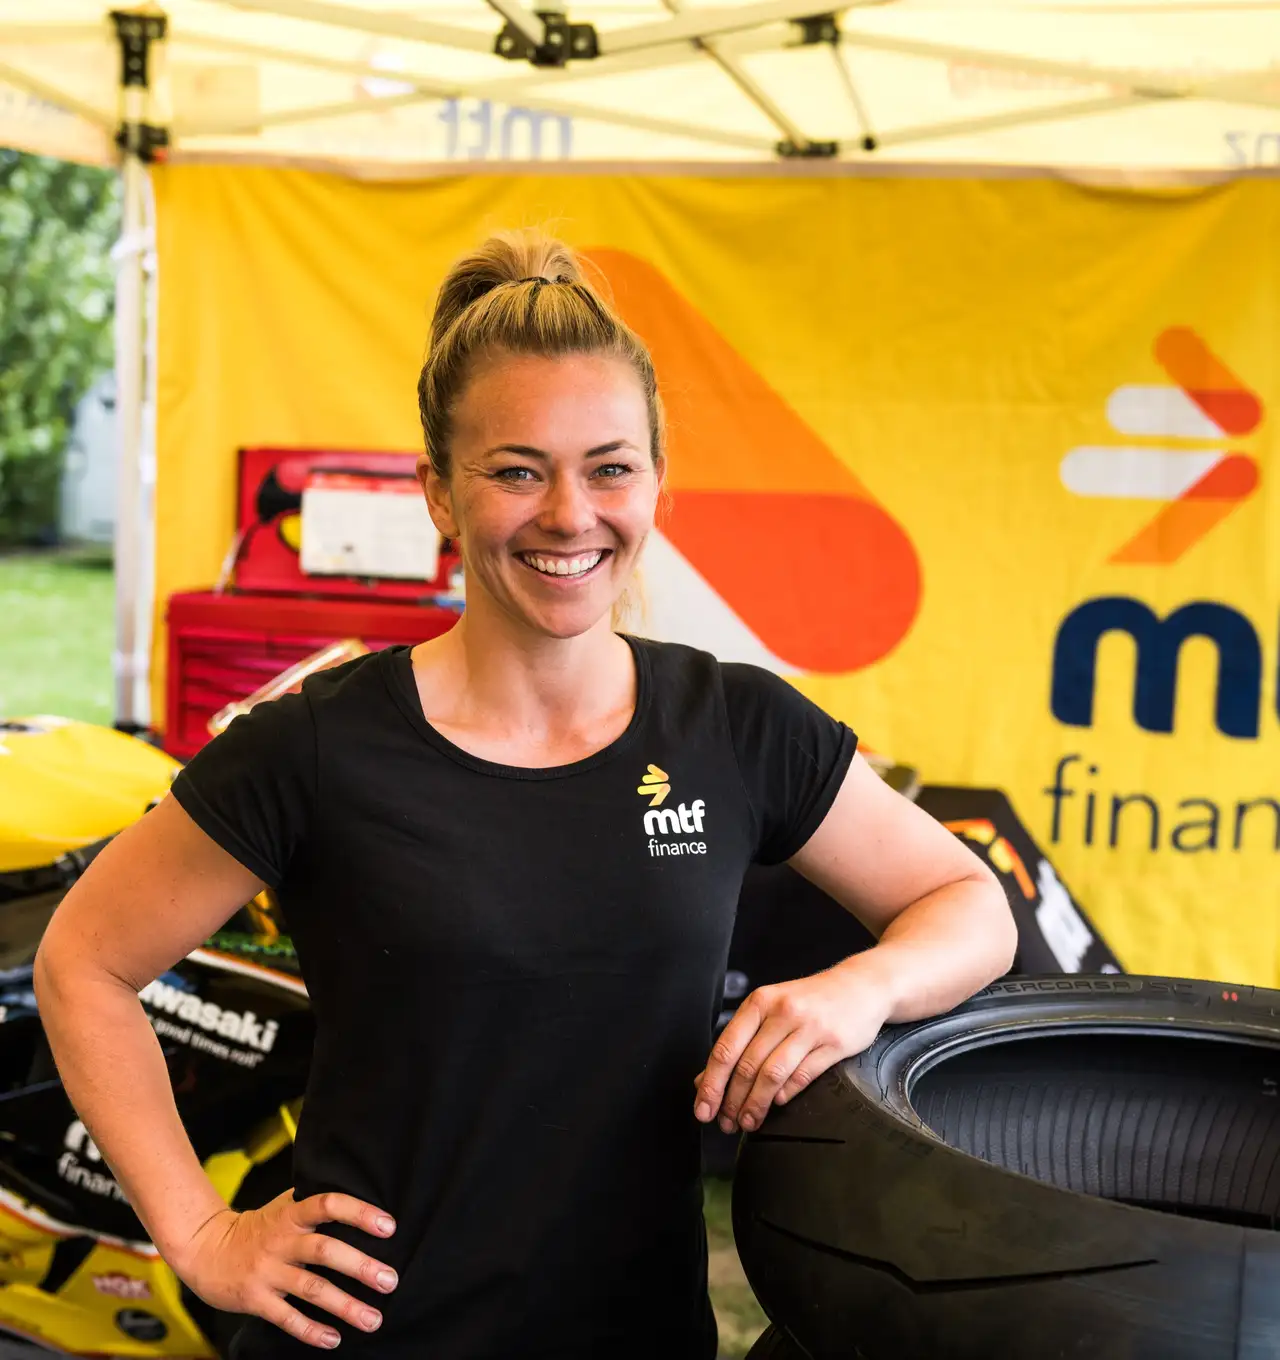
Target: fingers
[(728, 1048), (332, 1207), (309, 1247), (809, 1069), (767, 1061), (284, 1315), (318, 1250), (786, 1071), (315, 1289), (769, 1052)]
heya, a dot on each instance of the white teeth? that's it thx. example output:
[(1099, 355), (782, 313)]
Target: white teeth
[(564, 566)]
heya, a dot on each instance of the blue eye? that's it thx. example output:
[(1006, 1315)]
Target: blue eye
[(513, 474)]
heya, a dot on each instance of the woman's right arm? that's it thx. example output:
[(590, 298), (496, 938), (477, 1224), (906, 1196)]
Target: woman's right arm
[(157, 891)]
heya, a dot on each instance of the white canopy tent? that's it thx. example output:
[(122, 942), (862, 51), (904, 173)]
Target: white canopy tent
[(1125, 84), (1167, 89)]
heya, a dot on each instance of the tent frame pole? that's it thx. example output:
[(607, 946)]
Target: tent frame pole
[(529, 25), (138, 140), (791, 131)]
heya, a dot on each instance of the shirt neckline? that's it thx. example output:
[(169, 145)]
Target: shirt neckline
[(397, 667)]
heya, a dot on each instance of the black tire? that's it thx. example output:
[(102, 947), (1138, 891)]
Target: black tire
[(262, 1183), (1061, 1167), (775, 1345)]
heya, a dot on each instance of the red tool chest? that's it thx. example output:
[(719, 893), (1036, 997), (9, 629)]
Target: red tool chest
[(223, 647), (225, 643)]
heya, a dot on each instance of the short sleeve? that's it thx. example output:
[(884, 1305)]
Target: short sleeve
[(792, 756), (252, 787)]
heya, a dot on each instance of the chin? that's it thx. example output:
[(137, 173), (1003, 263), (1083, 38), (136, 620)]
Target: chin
[(563, 629), (568, 623)]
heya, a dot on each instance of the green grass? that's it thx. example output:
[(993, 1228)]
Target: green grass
[(57, 632), (738, 1315)]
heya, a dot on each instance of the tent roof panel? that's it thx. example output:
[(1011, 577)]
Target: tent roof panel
[(1141, 84), (710, 100)]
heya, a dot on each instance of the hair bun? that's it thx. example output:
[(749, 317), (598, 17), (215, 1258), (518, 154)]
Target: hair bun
[(507, 257)]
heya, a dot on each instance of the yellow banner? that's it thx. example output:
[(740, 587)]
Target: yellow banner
[(980, 464)]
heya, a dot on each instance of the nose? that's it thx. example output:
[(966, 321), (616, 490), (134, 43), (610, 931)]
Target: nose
[(566, 509)]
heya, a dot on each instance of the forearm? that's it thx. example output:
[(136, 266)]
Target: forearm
[(940, 950), (114, 1072)]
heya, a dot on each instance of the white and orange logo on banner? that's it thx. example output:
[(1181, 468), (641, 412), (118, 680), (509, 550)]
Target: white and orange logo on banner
[(1202, 477)]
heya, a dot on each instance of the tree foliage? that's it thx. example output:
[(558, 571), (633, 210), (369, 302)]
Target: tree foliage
[(58, 222)]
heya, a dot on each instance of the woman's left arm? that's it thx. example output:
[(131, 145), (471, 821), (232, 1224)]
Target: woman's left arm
[(944, 931)]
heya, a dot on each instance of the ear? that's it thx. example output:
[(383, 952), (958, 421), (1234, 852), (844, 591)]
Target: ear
[(662, 502), (438, 496)]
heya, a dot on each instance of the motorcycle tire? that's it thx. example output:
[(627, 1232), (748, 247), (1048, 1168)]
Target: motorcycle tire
[(1063, 1166), (262, 1183), (775, 1345)]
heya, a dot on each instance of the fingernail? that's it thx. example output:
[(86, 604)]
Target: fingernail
[(704, 1110), (385, 1224), (330, 1339), (748, 1121), (726, 1124), (386, 1279), (370, 1320)]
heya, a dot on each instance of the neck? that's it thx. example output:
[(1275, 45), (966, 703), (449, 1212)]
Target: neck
[(485, 668)]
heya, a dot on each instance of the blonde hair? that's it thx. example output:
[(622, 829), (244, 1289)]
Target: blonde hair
[(523, 292)]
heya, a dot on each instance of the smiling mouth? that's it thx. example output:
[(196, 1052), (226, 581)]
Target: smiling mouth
[(564, 568)]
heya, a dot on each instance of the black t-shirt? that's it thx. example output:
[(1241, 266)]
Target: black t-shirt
[(514, 974)]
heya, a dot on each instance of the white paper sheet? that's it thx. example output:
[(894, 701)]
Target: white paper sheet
[(367, 526)]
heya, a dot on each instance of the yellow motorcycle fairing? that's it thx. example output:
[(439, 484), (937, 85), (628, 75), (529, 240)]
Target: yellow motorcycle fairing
[(81, 1315), (64, 784)]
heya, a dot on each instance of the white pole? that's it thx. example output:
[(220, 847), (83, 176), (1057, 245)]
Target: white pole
[(129, 666), (137, 31)]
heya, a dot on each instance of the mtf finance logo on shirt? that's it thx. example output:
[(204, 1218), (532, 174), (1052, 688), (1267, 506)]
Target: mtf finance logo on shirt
[(680, 822)]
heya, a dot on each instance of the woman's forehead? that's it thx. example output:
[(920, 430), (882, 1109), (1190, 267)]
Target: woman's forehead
[(504, 371), (577, 395)]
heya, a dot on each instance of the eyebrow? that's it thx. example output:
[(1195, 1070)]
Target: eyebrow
[(529, 451)]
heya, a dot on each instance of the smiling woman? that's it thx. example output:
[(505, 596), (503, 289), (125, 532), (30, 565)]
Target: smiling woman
[(544, 462), (544, 824)]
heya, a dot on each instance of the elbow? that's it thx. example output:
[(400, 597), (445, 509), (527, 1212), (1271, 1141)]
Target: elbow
[(49, 971), (44, 976), (40, 972), (1007, 955), (1002, 928)]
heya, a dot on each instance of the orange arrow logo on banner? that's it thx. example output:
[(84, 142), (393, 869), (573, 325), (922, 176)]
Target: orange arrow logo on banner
[(1236, 411), (764, 510), (1200, 479)]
